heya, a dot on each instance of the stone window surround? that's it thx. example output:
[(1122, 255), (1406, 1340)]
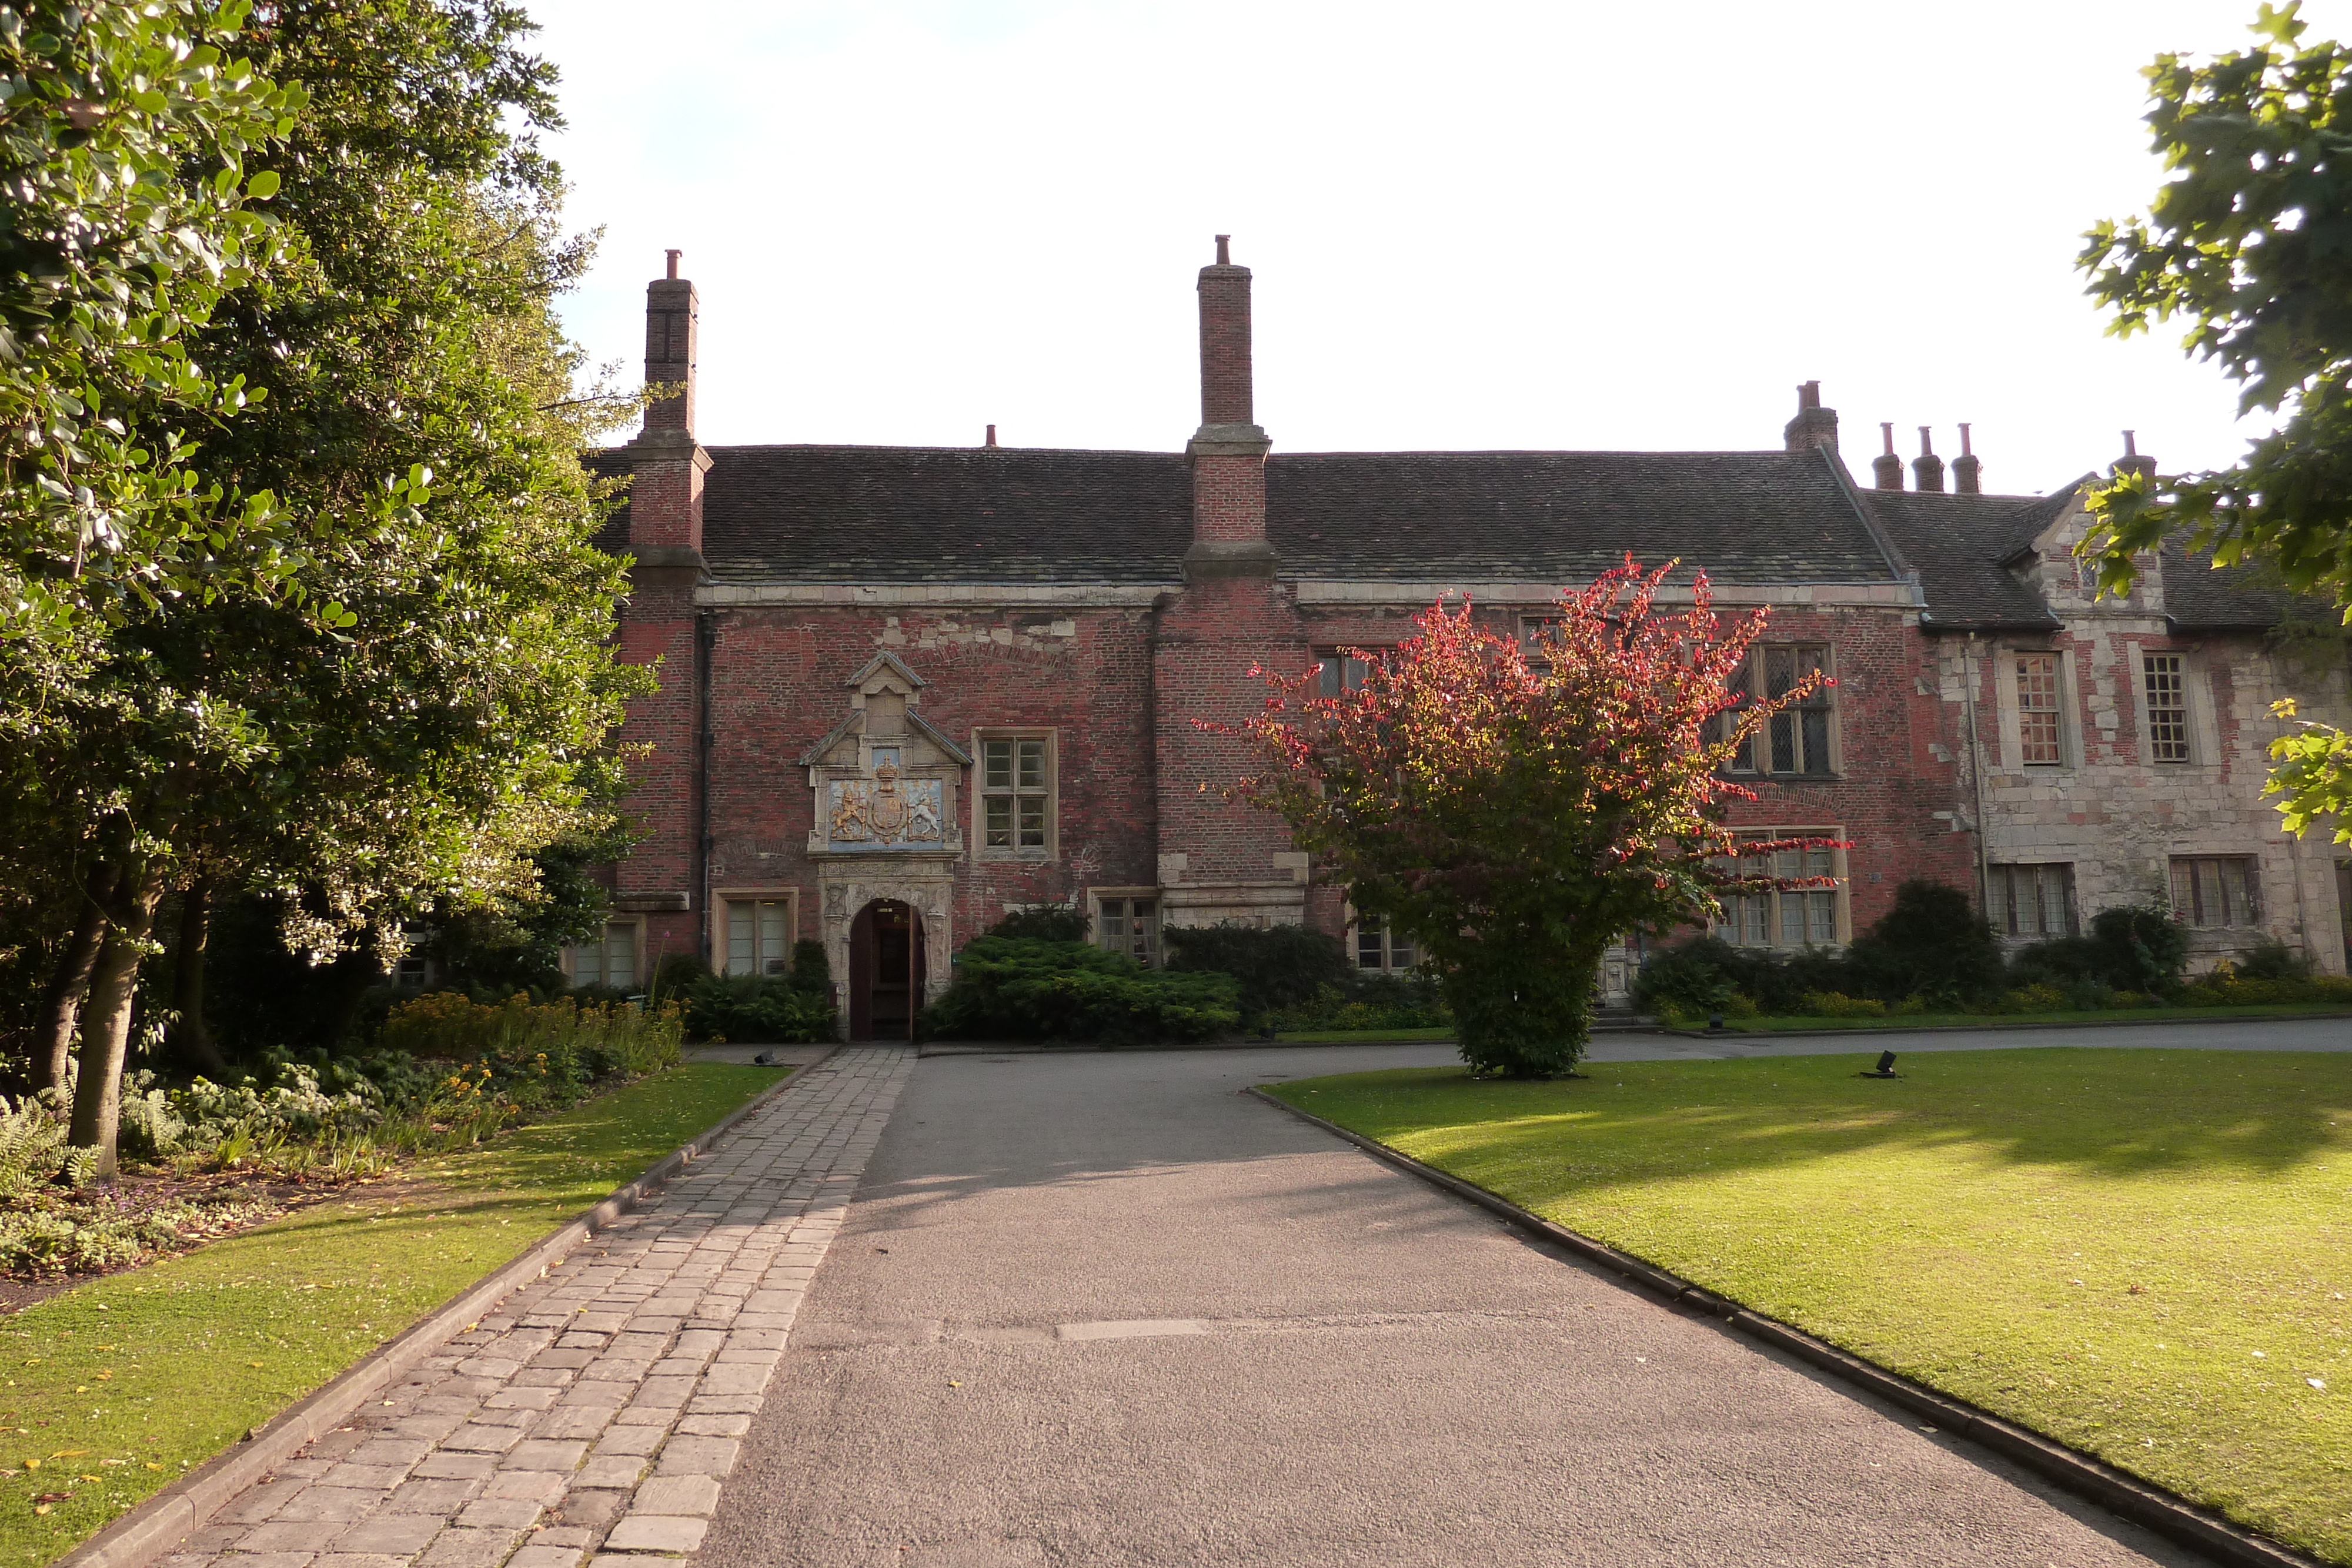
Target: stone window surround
[(2070, 709), (1761, 742), (982, 851), (2197, 687), (1389, 942), (636, 924), (1842, 892), (720, 897), (1095, 897)]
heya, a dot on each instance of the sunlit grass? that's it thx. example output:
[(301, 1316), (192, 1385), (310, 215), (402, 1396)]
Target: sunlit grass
[(116, 1387), (2144, 1253)]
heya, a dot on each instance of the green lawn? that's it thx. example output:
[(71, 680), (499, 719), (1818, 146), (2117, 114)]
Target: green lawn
[(1915, 1020), (118, 1386), (2144, 1253), (2120, 1017)]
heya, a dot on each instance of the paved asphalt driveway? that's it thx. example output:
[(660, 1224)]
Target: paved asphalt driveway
[(1102, 1309)]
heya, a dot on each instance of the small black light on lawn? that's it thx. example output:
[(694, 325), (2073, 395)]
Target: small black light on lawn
[(1885, 1068)]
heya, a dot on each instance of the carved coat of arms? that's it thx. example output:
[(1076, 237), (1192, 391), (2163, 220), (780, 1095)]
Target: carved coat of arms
[(884, 809)]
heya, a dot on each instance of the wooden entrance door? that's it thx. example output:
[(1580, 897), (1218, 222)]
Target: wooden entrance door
[(886, 970)]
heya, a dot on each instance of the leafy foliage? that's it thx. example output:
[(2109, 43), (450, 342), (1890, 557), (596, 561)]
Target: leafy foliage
[(1515, 810), (129, 215), (1279, 967), (1047, 923), (402, 704), (2134, 948), (1029, 988), (2248, 243), (1931, 943), (1413, 1001)]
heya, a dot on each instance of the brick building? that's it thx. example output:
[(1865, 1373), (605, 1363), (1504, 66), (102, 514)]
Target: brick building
[(904, 689)]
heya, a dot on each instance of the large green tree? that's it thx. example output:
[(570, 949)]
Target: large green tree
[(2249, 242), (423, 703), (1516, 808)]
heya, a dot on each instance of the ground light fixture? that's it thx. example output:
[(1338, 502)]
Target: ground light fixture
[(1885, 1068)]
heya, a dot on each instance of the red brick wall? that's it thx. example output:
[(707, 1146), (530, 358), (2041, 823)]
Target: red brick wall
[(1210, 637), (777, 687)]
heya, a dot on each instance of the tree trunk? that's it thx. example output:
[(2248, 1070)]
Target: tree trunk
[(61, 999), (191, 1041), (106, 1019)]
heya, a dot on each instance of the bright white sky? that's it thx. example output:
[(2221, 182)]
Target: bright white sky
[(1555, 224)]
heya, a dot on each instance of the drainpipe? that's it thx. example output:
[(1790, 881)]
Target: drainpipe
[(1976, 781), (706, 635)]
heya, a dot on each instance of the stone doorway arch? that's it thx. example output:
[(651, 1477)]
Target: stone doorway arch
[(886, 970)]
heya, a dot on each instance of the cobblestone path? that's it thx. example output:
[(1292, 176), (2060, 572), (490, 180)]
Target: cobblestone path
[(596, 1412)]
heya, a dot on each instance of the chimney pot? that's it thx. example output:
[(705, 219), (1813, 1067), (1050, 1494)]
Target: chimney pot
[(1967, 471), (991, 435), (1224, 258), (1928, 466), (673, 255), (1887, 468), (2132, 462), (1814, 425)]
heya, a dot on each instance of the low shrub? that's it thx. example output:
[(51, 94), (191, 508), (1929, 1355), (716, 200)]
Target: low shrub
[(1933, 942), (2228, 987), (1277, 966), (1047, 922), (1682, 984), (2132, 947), (1838, 1005), (1411, 1000), (1028, 987), (792, 1009), (2272, 959), (33, 1151), (542, 1052)]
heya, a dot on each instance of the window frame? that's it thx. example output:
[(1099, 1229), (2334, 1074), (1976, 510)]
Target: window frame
[(1390, 944), (1733, 928), (1754, 684), (2250, 883), (722, 903), (2183, 709), (1049, 795), (1154, 950), (636, 927), (2004, 915), (2056, 710), (1339, 674)]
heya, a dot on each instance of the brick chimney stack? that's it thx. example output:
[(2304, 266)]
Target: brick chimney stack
[(1967, 471), (1927, 466), (671, 309), (667, 464), (1887, 468), (2131, 461), (1814, 425), (663, 876), (1228, 452)]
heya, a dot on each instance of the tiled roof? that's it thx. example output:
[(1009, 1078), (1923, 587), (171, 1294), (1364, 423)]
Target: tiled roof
[(2201, 596), (1564, 516), (914, 515), (1957, 543)]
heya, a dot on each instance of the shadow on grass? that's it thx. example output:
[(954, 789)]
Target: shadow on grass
[(2096, 1112)]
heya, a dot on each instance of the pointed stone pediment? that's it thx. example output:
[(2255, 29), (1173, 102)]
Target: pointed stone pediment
[(886, 780)]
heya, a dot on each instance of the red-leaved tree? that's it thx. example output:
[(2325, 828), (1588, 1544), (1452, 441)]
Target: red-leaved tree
[(1516, 809)]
